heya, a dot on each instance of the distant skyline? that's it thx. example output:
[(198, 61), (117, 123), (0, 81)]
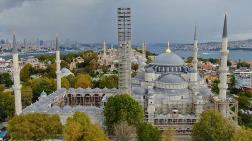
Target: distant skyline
[(153, 21)]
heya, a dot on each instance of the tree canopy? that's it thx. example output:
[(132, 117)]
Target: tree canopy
[(26, 72), (7, 107), (80, 128), (42, 84), (212, 126), (243, 134), (109, 82), (122, 108), (5, 78), (65, 83), (147, 132), (83, 81), (35, 126)]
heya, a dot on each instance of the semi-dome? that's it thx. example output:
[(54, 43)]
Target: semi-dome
[(168, 58), (171, 78)]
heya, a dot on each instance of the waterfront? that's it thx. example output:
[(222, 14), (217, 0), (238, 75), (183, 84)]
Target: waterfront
[(245, 55)]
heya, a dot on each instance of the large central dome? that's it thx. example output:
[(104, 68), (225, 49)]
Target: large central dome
[(168, 58)]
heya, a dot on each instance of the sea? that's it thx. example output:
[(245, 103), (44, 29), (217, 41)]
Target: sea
[(243, 55), (237, 54)]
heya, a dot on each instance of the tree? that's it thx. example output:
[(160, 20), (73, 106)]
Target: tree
[(243, 65), (83, 81), (26, 72), (35, 126), (167, 135), (147, 132), (65, 83), (212, 126), (79, 128), (122, 108), (244, 102), (42, 84), (134, 67), (7, 107), (215, 87), (26, 93), (71, 80), (124, 132), (109, 82), (5, 78), (51, 71), (243, 134)]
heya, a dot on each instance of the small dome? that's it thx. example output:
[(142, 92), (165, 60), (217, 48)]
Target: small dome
[(171, 78), (168, 58), (65, 72), (43, 94)]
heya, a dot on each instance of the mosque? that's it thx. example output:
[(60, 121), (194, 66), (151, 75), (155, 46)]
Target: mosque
[(171, 92)]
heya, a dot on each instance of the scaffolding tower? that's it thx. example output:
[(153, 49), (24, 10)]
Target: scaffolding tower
[(124, 43)]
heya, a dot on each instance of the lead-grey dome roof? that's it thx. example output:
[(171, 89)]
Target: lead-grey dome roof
[(171, 78), (168, 59)]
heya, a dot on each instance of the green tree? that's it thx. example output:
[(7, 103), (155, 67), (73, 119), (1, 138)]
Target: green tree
[(243, 134), (83, 81), (26, 72), (51, 71), (26, 93), (122, 108), (80, 128), (147, 132), (46, 58), (5, 78), (212, 126), (7, 107), (71, 80), (244, 102), (42, 84), (109, 82), (65, 83), (243, 65), (215, 87), (35, 126)]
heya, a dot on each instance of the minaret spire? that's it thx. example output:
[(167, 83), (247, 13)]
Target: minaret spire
[(144, 49), (57, 61), (16, 77), (104, 49), (223, 70), (195, 51)]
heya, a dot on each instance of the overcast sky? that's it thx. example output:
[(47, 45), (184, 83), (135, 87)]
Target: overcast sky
[(153, 20)]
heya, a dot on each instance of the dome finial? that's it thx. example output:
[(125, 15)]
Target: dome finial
[(168, 50)]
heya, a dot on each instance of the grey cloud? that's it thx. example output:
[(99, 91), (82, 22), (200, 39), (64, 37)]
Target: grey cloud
[(8, 4)]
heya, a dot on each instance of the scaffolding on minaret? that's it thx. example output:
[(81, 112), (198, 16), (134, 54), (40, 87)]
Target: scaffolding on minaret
[(124, 43)]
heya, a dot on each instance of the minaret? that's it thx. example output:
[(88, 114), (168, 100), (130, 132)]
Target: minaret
[(16, 77), (57, 61), (143, 49), (195, 51), (104, 49), (223, 70)]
